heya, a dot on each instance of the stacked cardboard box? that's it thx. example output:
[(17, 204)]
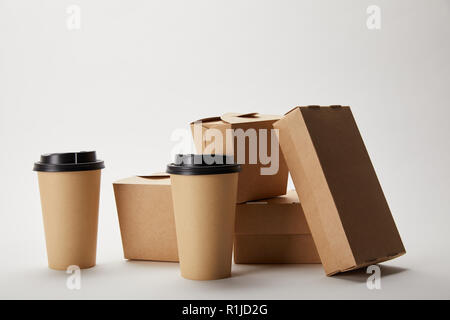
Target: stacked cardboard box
[(273, 231), (252, 184)]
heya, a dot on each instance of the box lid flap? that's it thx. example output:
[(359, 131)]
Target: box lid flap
[(290, 197), (206, 120), (337, 185), (234, 118), (159, 178)]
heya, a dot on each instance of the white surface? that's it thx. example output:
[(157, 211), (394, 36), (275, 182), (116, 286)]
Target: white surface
[(138, 70)]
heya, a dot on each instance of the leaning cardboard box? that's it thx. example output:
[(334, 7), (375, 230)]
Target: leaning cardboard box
[(252, 132), (147, 225), (344, 204), (273, 231)]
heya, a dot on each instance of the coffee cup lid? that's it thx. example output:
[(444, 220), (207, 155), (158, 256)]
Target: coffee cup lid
[(69, 161), (198, 164)]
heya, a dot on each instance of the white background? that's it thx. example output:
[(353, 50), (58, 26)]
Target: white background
[(138, 70)]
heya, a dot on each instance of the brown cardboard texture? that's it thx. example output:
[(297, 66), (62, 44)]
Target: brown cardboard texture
[(70, 210), (343, 202), (273, 231), (205, 208), (147, 225), (252, 185)]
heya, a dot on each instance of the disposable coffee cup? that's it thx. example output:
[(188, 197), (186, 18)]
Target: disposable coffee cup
[(69, 185), (204, 190)]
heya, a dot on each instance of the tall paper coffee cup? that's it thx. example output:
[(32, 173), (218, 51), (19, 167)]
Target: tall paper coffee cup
[(204, 199), (69, 185)]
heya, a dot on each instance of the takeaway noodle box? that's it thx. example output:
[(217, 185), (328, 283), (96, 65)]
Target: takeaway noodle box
[(264, 173), (273, 231), (147, 225), (343, 202)]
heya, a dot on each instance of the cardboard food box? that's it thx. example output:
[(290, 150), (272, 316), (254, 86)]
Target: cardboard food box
[(343, 202), (245, 136), (147, 224), (273, 231)]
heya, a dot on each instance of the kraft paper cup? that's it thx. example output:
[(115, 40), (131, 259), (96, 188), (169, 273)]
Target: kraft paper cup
[(69, 185), (204, 199)]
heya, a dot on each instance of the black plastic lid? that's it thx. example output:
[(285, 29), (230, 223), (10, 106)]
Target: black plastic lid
[(198, 164), (70, 161)]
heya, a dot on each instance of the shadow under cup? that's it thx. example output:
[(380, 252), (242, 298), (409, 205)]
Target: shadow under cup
[(204, 199), (69, 185)]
